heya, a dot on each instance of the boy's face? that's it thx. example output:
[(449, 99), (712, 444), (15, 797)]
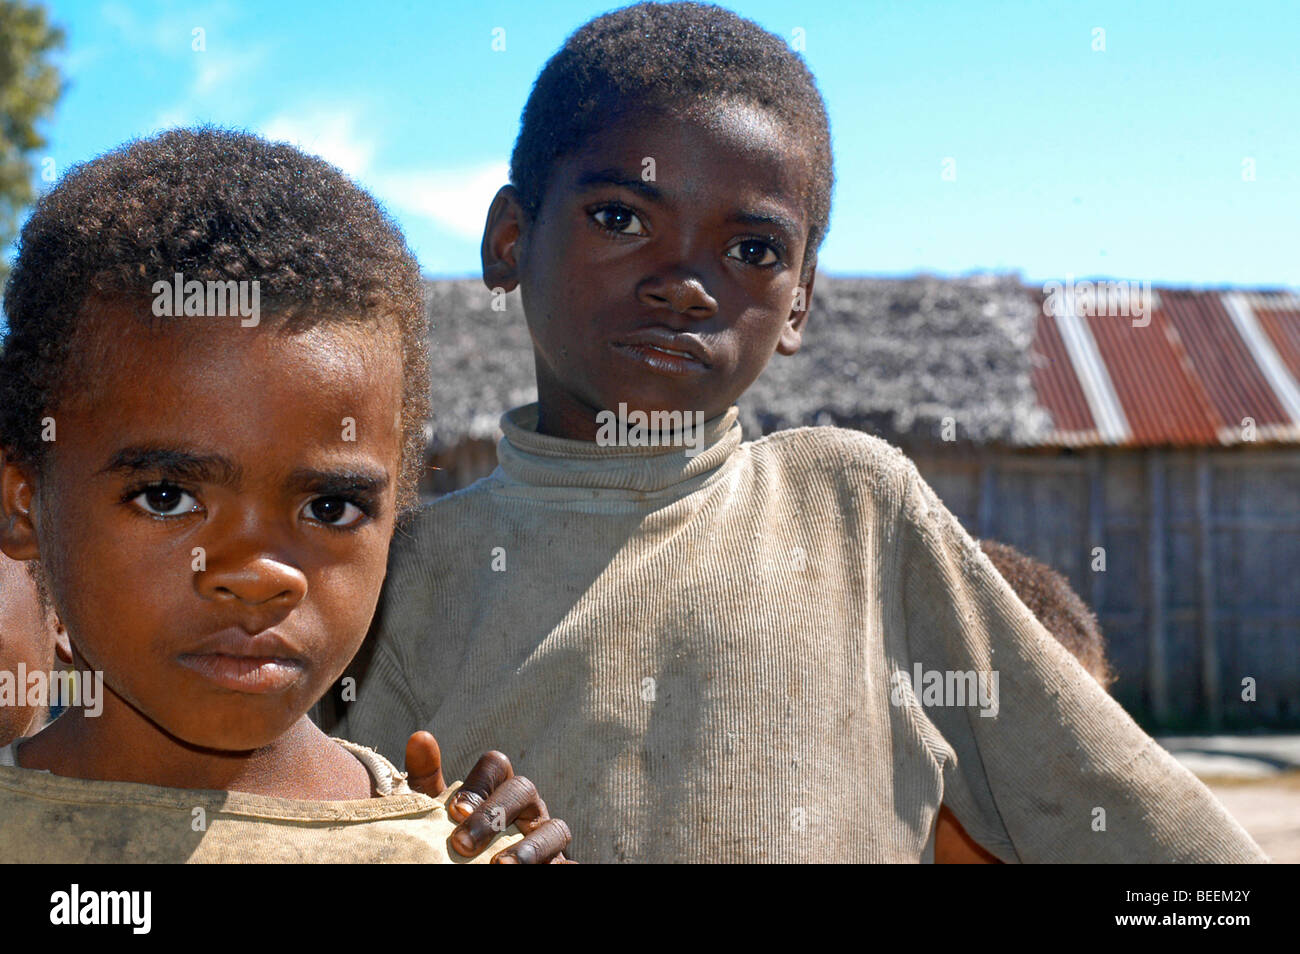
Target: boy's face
[(662, 267), (215, 515)]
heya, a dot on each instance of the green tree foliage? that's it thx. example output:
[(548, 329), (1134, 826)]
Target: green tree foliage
[(30, 85)]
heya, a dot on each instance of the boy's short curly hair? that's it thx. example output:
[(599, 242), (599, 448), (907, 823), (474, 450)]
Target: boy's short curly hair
[(215, 205), (1049, 596), (664, 57)]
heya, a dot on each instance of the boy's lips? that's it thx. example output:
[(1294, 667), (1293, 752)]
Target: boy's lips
[(257, 664), (665, 350)]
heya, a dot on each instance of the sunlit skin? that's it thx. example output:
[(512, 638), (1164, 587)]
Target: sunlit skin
[(713, 248), (214, 436), (953, 846), (28, 637)]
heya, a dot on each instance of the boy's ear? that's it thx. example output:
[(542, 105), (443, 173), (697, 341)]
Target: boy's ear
[(17, 515), (502, 240), (792, 333), (62, 645)]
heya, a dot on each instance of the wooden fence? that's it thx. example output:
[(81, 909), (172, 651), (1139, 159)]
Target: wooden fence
[(1201, 589)]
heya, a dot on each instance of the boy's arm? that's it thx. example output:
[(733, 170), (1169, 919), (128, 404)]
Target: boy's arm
[(382, 711), (1060, 772), (386, 717)]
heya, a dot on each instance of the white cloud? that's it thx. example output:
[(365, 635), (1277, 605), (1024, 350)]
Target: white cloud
[(167, 33), (217, 67), (209, 79), (172, 117), (215, 79), (78, 59), (456, 199), (330, 134)]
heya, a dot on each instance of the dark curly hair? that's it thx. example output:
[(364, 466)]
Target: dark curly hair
[(215, 205), (1049, 596), (663, 57)]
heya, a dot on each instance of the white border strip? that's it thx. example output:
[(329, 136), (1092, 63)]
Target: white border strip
[(1282, 301), (1265, 355), (1098, 388)]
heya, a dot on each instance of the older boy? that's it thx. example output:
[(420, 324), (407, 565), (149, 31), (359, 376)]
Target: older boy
[(730, 629)]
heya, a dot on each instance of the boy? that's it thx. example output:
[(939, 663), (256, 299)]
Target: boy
[(723, 627), (212, 394)]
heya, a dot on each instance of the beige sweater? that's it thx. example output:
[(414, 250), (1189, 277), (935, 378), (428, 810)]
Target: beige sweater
[(697, 658), (52, 819)]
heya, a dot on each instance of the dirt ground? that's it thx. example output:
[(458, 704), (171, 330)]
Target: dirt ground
[(1268, 808)]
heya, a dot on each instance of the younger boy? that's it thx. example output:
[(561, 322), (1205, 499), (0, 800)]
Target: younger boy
[(722, 627), (212, 395)]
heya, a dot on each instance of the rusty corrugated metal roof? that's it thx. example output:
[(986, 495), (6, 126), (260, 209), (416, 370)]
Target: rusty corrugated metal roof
[(1202, 368), (1057, 386), (1282, 325)]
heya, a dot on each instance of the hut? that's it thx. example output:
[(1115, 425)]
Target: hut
[(1148, 449)]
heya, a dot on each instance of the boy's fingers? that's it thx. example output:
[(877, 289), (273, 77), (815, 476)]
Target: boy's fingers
[(424, 764), (494, 816), (488, 774), (532, 815), (545, 846)]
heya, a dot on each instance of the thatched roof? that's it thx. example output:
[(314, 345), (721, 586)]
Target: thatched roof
[(890, 356), (480, 360), (896, 356)]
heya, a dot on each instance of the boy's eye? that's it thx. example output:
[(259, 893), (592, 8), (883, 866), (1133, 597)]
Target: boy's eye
[(618, 218), (165, 500), (754, 252), (334, 511)]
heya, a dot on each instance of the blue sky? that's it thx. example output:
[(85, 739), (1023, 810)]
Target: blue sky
[(1131, 162)]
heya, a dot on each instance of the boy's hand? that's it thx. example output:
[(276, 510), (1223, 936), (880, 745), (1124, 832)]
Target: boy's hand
[(490, 799)]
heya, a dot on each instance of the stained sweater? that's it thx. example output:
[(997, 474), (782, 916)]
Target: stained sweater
[(52, 819), (765, 651)]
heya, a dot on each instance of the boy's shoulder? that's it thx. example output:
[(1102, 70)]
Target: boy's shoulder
[(52, 818), (815, 454), (837, 453)]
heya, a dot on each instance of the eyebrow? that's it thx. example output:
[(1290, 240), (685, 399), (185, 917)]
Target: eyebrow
[(175, 462), (357, 480), (766, 218), (179, 463), (616, 177)]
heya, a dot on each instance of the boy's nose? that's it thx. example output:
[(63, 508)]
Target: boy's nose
[(262, 582), (681, 291)]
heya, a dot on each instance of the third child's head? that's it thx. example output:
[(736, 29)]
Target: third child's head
[(670, 188), (213, 402)]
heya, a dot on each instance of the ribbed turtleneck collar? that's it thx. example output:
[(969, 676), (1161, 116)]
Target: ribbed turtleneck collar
[(545, 461)]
